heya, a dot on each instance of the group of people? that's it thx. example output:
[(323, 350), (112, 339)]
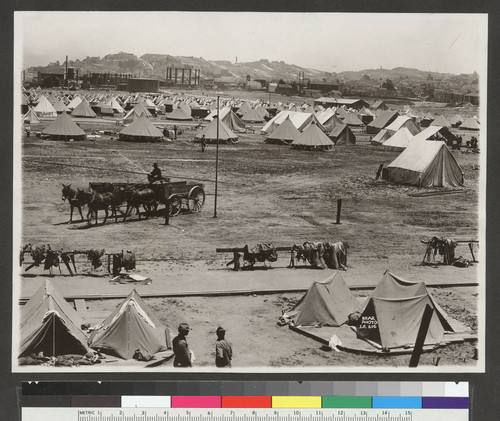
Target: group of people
[(184, 357)]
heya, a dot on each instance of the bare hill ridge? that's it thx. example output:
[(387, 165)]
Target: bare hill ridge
[(155, 65)]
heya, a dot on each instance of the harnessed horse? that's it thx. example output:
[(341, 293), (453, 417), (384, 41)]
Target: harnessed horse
[(73, 200)]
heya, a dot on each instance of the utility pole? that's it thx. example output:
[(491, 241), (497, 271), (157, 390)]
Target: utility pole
[(216, 160)]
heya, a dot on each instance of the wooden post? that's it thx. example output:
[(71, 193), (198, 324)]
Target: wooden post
[(472, 252), (379, 171), (167, 212), (422, 333), (339, 209)]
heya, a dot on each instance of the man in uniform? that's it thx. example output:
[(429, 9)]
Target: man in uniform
[(180, 346), (155, 175), (223, 349), (203, 143)]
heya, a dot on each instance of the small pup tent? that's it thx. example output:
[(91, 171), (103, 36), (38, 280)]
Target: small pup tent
[(426, 164), (393, 314), (130, 327), (326, 303), (50, 325)]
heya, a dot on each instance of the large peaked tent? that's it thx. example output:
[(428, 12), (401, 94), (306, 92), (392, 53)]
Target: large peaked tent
[(50, 325), (383, 119), (30, 117), (130, 327), (300, 120), (60, 106), (441, 120), (179, 115), (393, 314), (341, 133), (403, 121), (45, 108), (226, 135), (252, 116), (313, 138), (83, 110), (64, 128), (326, 303), (286, 133), (470, 124), (399, 140), (141, 130), (426, 164), (353, 120)]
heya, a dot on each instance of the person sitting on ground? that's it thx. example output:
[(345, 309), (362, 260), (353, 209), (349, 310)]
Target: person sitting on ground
[(223, 349)]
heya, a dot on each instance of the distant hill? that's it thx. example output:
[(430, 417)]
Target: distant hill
[(155, 65)]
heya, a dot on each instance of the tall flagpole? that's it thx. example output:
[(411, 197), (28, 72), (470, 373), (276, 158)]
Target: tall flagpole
[(216, 160)]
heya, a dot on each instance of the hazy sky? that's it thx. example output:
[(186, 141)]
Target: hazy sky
[(325, 41)]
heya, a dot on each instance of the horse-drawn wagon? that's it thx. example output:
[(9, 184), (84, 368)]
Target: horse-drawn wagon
[(176, 195)]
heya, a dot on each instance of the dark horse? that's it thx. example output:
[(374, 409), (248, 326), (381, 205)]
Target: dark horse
[(145, 197), (96, 202), (73, 200)]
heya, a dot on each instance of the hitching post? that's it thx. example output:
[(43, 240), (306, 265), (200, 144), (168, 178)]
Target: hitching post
[(216, 160), (167, 212), (339, 208), (422, 333)]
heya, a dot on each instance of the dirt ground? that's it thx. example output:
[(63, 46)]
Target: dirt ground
[(266, 193)]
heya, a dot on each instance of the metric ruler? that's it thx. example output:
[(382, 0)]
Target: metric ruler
[(241, 414)]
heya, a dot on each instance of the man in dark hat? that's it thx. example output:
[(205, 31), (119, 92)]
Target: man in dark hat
[(223, 349), (155, 175), (180, 346)]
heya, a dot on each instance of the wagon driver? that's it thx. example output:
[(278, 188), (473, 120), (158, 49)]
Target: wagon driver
[(155, 175)]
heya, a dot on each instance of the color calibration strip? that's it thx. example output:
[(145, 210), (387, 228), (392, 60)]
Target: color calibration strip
[(297, 402), (363, 395)]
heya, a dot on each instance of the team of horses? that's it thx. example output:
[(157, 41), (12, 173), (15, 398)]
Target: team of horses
[(111, 199)]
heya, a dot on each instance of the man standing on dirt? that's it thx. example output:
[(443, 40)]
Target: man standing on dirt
[(203, 143), (223, 349), (180, 346)]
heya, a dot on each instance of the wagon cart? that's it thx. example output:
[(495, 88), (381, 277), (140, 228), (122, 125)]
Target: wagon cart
[(176, 195), (179, 194)]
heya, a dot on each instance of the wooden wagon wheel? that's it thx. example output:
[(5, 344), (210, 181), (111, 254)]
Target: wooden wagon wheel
[(196, 199), (174, 205)]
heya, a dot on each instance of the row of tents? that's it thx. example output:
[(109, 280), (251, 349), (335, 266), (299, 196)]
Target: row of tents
[(388, 319), (49, 324)]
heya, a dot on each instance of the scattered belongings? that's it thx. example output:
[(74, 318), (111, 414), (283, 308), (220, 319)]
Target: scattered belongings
[(125, 278), (320, 255), (444, 248), (259, 253), (50, 258)]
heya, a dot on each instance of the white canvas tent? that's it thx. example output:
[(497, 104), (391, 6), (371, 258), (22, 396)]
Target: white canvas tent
[(426, 164)]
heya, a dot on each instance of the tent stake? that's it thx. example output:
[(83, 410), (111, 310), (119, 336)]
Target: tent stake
[(339, 208), (422, 333)]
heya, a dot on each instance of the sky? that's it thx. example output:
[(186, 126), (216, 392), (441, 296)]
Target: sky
[(452, 43)]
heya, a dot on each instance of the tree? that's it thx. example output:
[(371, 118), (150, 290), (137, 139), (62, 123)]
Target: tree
[(388, 85)]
